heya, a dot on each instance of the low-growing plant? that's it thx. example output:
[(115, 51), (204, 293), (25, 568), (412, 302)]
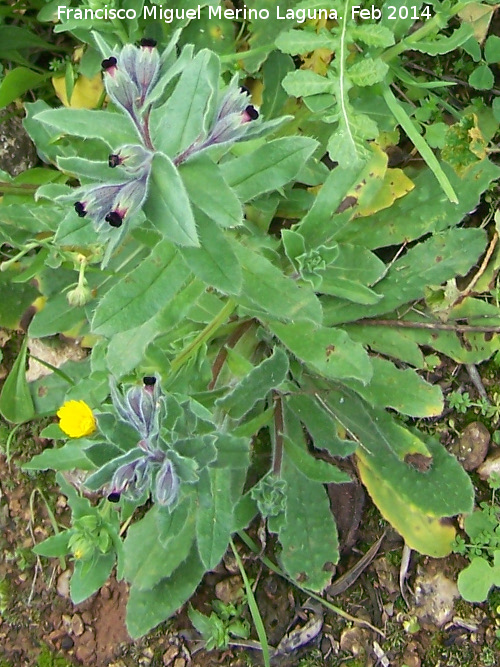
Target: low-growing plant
[(253, 315), (482, 548)]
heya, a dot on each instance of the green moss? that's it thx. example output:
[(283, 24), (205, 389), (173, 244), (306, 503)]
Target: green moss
[(48, 659)]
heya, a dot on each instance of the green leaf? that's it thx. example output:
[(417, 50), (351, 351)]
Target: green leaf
[(269, 167), (276, 67), (69, 457), (264, 286), (157, 544), (256, 385), (436, 484), (301, 41), (88, 578), (16, 298), (13, 38), (314, 469), (309, 538), (214, 519), (372, 34), (16, 82), (367, 72), (401, 390), (442, 44), (492, 49), (302, 83), (55, 317), (148, 608), (208, 190), (232, 452), (328, 351), (424, 210), (167, 206), (90, 125), (475, 581), (431, 262), (134, 300), (320, 424), (54, 546), (126, 349), (482, 78), (183, 118), (214, 261), (16, 404), (419, 142)]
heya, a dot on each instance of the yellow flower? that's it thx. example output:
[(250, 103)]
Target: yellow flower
[(76, 419)]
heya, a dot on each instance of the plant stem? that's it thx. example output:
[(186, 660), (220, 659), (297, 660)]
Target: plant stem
[(203, 336), (16, 188)]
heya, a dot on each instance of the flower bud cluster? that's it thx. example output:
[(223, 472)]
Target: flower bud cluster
[(142, 407), (131, 76), (89, 536), (231, 121)]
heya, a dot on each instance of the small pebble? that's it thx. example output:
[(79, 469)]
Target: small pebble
[(67, 643)]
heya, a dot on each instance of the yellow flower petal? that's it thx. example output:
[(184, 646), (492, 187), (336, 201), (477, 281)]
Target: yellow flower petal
[(76, 419)]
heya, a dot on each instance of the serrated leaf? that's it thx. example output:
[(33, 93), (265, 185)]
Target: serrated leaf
[(134, 300), (328, 351), (442, 44), (302, 83), (372, 34), (301, 41), (167, 206), (368, 71)]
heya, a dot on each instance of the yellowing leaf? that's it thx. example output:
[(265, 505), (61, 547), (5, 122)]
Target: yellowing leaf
[(318, 61), (421, 531), (479, 16), (86, 92), (395, 184)]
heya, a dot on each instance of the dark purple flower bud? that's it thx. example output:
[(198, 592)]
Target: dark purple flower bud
[(249, 114), (135, 159), (149, 380), (141, 407), (114, 218), (114, 497), (123, 477), (114, 161), (146, 42), (80, 209), (167, 484), (109, 65)]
